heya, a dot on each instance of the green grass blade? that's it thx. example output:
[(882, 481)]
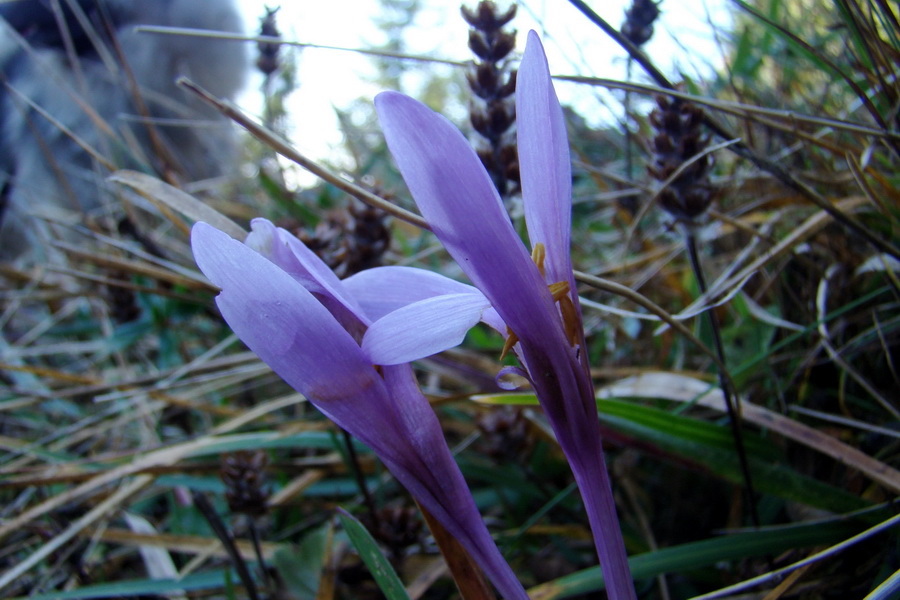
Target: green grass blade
[(381, 569), (705, 553), (137, 587)]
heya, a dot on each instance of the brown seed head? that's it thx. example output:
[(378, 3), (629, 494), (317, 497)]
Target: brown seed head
[(397, 527), (505, 433), (487, 17), (679, 141), (639, 18), (350, 240), (492, 112), (267, 61), (243, 473)]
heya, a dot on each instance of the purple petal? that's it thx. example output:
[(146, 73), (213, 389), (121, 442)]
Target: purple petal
[(456, 197), (279, 320), (295, 335), (423, 328), (493, 320), (431, 475), (292, 255), (544, 161), (275, 244), (383, 290)]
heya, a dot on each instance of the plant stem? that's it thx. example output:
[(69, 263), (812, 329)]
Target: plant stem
[(469, 579), (257, 548), (360, 480), (596, 492), (215, 522), (734, 417)]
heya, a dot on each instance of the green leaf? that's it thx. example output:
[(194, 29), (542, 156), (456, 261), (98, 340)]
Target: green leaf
[(710, 446), (381, 569), (138, 587), (696, 555), (300, 567)]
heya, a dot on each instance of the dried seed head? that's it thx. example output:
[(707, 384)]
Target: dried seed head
[(487, 17), (244, 476), (484, 80), (639, 18), (350, 240), (676, 146), (397, 527), (492, 113), (123, 304), (267, 61), (505, 433)]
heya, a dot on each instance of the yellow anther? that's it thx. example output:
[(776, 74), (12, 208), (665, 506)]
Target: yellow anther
[(538, 255), (559, 290), (570, 319), (561, 293), (511, 340)]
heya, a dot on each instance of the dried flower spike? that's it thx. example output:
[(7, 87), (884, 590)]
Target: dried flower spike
[(492, 110), (679, 140), (351, 240), (267, 62), (639, 18), (244, 476), (505, 434), (397, 527)]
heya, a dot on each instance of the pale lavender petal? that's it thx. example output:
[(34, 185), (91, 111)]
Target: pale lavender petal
[(382, 290), (423, 328), (292, 255), (544, 162), (505, 379), (456, 197), (290, 330), (279, 320), (493, 320)]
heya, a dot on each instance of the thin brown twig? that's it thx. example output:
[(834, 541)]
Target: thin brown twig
[(266, 39), (729, 393), (285, 149), (205, 507)]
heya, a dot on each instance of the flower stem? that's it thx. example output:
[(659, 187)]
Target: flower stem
[(734, 417), (353, 459), (469, 579), (596, 491)]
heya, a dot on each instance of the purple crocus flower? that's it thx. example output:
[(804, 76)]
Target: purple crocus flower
[(530, 297), (291, 310)]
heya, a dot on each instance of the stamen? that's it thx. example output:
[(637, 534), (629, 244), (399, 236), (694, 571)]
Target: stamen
[(570, 319), (511, 340), (538, 255), (560, 293), (559, 290)]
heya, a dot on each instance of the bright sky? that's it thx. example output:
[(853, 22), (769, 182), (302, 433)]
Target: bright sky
[(683, 40)]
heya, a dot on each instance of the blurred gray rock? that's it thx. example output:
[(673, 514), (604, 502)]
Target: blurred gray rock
[(98, 80)]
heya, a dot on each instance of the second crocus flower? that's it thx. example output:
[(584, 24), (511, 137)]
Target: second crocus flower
[(530, 297)]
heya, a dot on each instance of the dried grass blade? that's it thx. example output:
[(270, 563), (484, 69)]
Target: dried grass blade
[(166, 196), (103, 509), (681, 388)]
